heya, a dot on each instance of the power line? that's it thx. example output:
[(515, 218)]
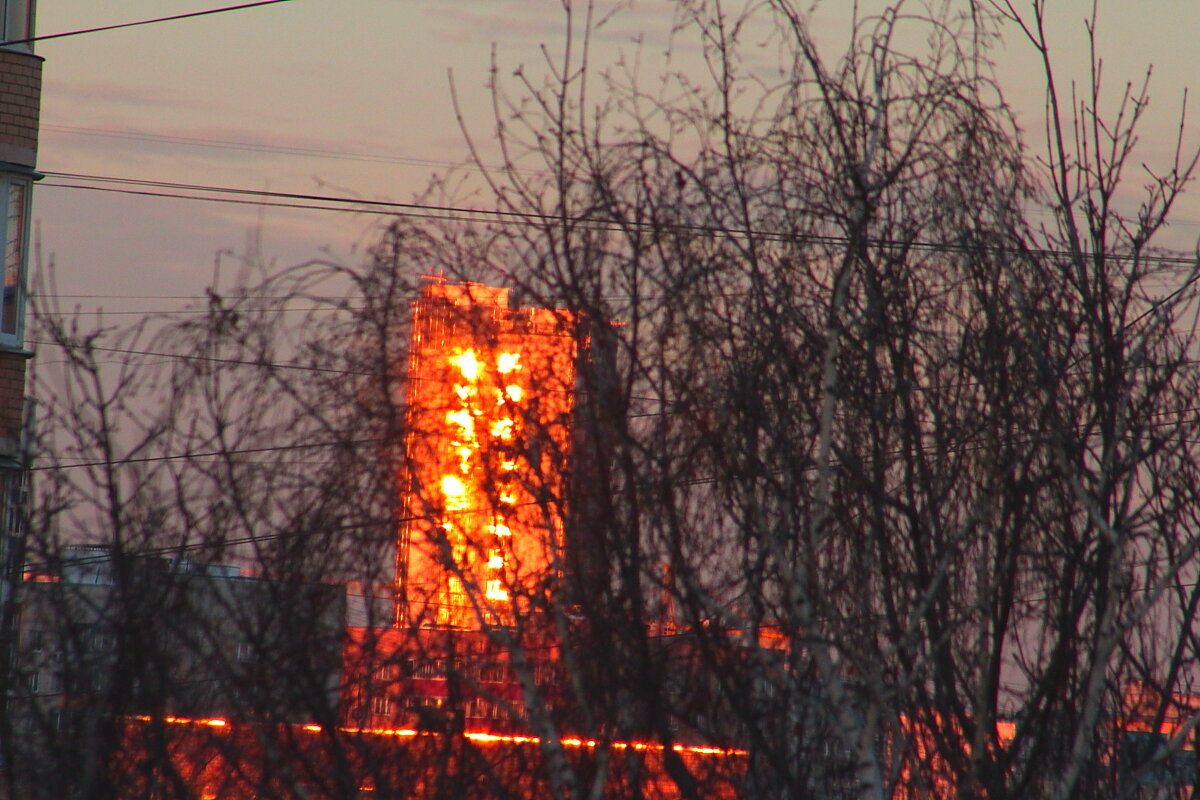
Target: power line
[(262, 363), (120, 462), (509, 216), (256, 539), (214, 544), (293, 365), (395, 210), (166, 550), (172, 18), (255, 147), (331, 305), (59, 296), (229, 144), (964, 447), (185, 311), (214, 359), (356, 205)]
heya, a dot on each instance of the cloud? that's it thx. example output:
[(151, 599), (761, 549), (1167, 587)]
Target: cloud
[(538, 21), (512, 21), (105, 92), (224, 143)]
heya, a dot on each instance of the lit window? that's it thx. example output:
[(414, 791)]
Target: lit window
[(492, 672), (464, 421), (468, 364), (434, 669), (455, 492), (502, 429), (508, 362), (14, 211)]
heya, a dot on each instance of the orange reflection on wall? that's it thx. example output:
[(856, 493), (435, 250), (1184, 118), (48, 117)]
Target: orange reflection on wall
[(489, 402)]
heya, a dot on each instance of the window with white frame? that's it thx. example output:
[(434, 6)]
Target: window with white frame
[(14, 236)]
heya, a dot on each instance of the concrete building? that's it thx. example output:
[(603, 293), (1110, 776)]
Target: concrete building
[(108, 637), (483, 495)]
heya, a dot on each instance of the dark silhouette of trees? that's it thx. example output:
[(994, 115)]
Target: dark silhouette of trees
[(883, 470)]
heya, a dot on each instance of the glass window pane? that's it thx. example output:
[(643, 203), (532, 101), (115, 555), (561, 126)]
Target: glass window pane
[(15, 19), (14, 256)]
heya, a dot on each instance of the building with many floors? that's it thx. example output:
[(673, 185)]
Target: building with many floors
[(20, 102)]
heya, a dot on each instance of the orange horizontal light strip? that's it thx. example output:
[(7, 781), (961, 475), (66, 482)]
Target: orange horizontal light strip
[(215, 722), (406, 732), (571, 741), (482, 736)]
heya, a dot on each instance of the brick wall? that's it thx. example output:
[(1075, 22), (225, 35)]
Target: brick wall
[(12, 397), (20, 99)]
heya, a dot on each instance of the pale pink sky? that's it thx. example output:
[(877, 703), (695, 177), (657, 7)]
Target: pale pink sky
[(232, 98)]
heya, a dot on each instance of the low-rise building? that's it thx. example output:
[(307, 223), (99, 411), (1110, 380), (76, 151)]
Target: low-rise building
[(107, 637)]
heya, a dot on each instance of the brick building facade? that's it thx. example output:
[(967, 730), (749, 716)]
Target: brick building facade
[(20, 102)]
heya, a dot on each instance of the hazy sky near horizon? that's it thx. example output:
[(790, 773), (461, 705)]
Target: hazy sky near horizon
[(351, 98)]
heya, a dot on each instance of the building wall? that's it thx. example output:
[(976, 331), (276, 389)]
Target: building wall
[(483, 494), (435, 680), (12, 401), (20, 103), (150, 636), (20, 107)]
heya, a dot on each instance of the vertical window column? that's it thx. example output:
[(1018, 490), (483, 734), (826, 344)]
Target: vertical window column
[(16, 20), (14, 211)]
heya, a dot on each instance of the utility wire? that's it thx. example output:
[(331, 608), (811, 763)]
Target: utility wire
[(346, 155), (120, 462), (201, 187), (1161, 283), (963, 447), (173, 312), (310, 368), (41, 295), (266, 537), (166, 550), (172, 18), (510, 216), (395, 211), (214, 359)]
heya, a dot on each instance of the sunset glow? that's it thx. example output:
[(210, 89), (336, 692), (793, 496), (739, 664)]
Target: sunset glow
[(490, 395), (483, 737)]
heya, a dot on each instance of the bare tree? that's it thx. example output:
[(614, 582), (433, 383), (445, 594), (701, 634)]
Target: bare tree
[(874, 485)]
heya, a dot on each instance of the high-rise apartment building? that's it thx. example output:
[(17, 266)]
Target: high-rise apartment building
[(489, 403)]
